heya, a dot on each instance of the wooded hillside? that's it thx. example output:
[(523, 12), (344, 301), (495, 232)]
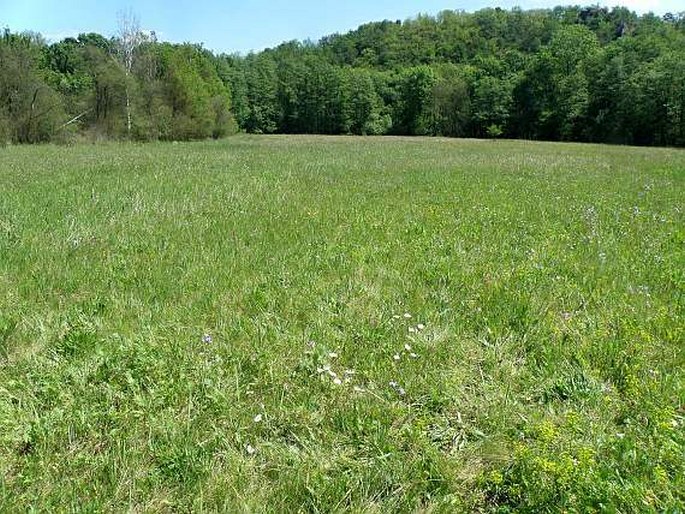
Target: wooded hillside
[(569, 73)]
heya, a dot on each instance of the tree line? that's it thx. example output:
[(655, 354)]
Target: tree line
[(126, 87), (568, 74)]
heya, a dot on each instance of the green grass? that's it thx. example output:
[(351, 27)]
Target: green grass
[(549, 376)]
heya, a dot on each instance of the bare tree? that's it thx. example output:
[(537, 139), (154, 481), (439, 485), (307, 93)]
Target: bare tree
[(130, 38)]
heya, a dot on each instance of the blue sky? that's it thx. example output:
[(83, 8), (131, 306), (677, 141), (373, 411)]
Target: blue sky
[(230, 25)]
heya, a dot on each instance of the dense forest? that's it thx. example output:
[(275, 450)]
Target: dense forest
[(568, 73)]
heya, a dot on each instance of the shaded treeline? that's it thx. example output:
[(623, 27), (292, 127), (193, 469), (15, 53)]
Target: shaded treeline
[(569, 73), (81, 86)]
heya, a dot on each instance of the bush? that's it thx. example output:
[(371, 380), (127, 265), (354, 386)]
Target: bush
[(494, 131)]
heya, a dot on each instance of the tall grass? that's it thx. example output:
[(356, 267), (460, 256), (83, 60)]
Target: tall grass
[(342, 324)]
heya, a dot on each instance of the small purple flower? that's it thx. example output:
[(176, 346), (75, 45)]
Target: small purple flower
[(206, 339)]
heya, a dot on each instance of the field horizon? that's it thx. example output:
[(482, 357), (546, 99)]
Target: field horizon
[(342, 323)]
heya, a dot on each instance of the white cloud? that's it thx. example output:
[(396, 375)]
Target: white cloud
[(54, 37), (659, 7)]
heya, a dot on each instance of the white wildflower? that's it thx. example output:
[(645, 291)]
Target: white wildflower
[(397, 388)]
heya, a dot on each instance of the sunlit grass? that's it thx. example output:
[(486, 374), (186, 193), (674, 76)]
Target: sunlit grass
[(333, 324)]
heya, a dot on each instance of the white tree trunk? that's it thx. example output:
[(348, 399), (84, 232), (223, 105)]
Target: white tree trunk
[(128, 113), (130, 37)]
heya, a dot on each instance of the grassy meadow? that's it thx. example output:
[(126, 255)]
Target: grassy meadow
[(322, 324)]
